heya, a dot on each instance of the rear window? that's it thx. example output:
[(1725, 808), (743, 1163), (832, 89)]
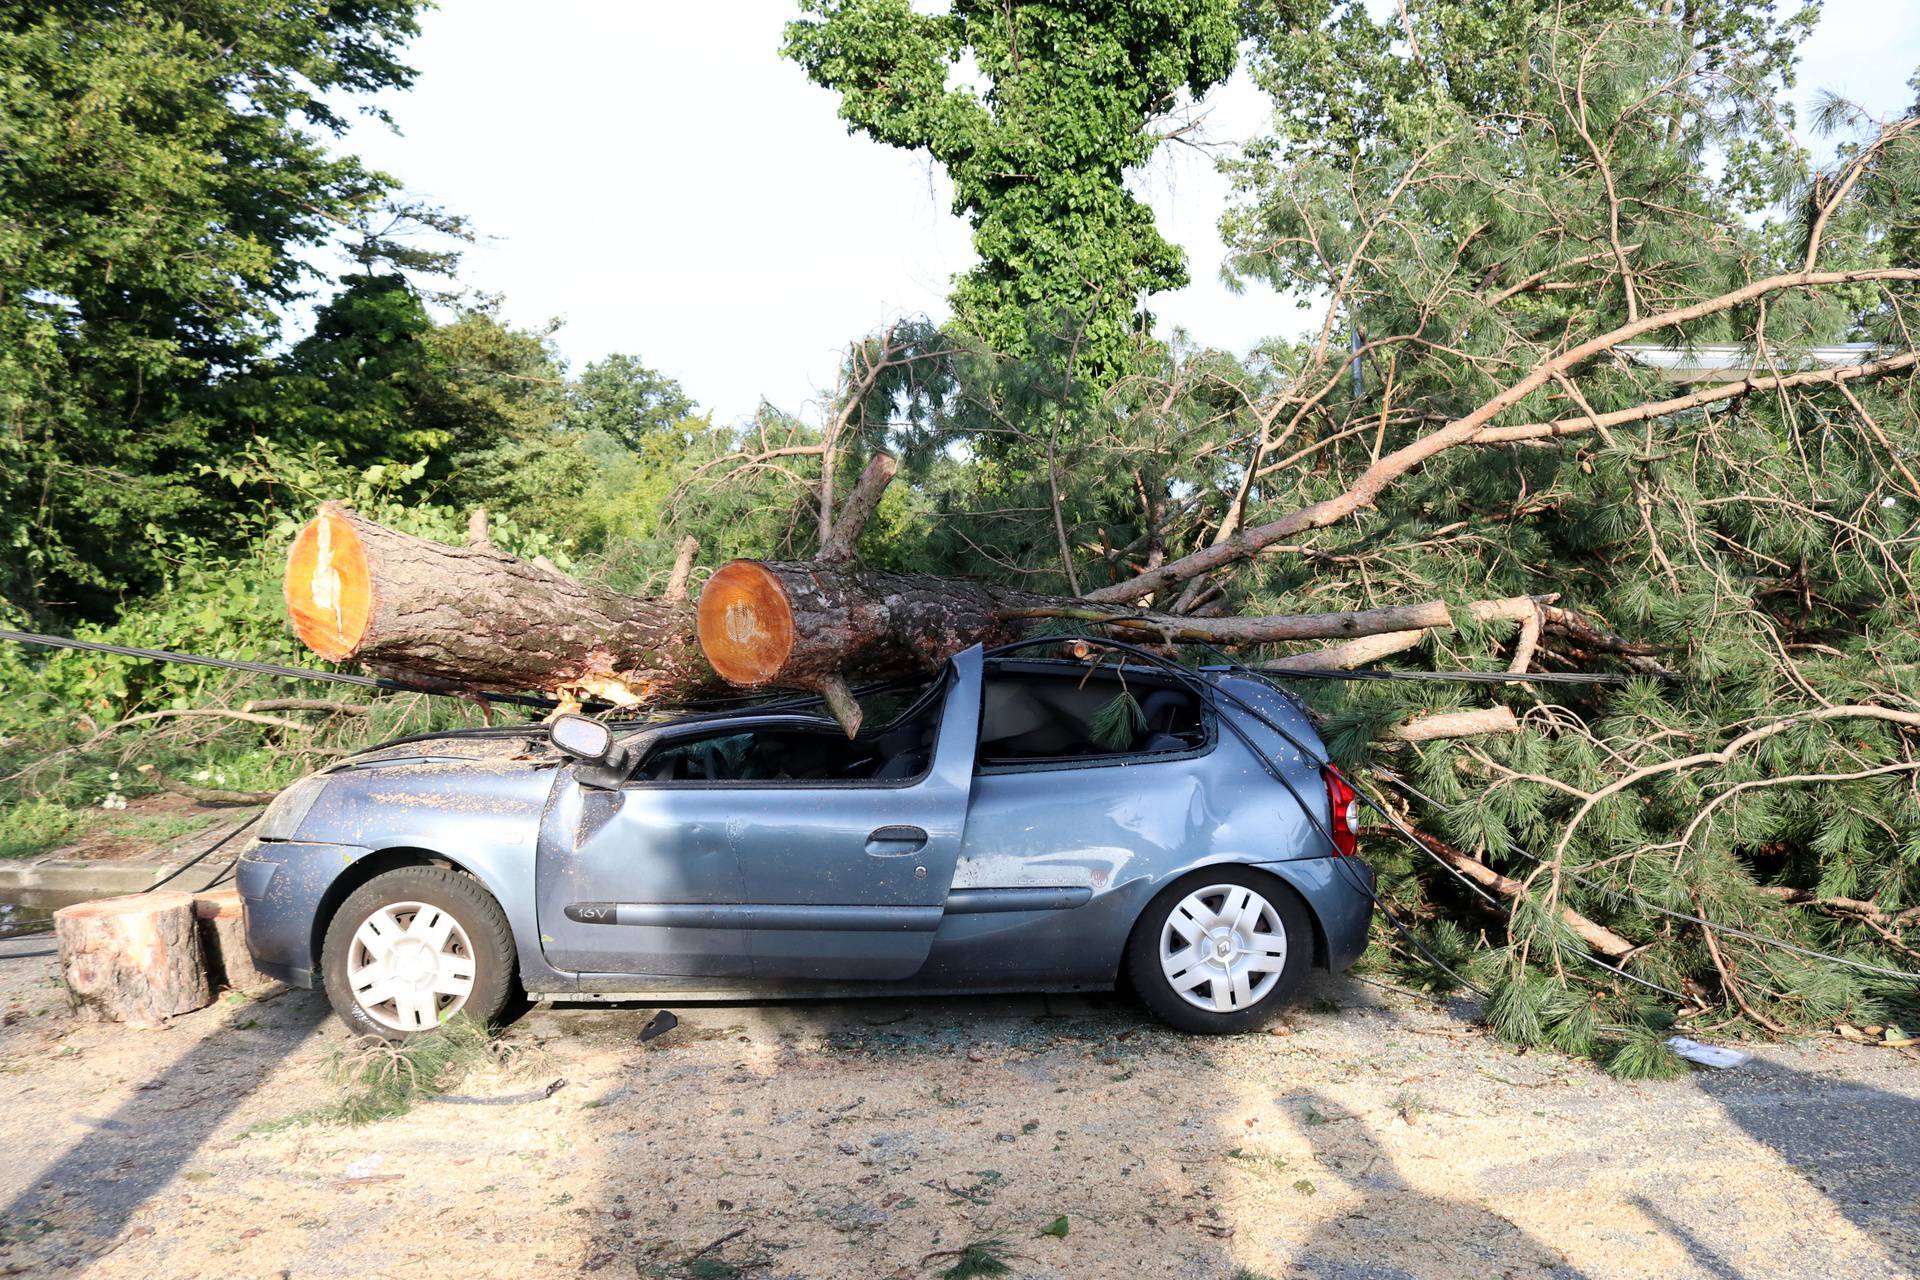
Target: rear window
[(1035, 717)]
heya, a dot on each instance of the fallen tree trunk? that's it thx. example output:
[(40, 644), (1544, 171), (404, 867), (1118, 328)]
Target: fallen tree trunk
[(135, 959), (794, 623), (474, 617)]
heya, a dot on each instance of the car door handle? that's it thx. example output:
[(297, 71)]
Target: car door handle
[(895, 842)]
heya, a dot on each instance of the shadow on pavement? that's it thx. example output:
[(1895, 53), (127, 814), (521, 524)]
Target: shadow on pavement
[(1397, 1231), (1710, 1262), (1857, 1145), (83, 1197)]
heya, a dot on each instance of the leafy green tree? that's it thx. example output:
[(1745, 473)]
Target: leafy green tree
[(1039, 152), (165, 165), (631, 403)]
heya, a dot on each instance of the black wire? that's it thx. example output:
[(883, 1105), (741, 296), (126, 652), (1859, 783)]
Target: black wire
[(261, 668), (1457, 677), (184, 867)]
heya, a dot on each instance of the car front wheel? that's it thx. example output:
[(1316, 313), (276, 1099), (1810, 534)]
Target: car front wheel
[(1221, 950), (413, 947)]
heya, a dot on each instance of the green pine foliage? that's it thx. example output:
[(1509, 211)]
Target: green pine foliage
[(1118, 722)]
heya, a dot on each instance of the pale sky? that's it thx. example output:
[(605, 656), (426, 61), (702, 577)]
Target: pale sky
[(655, 176)]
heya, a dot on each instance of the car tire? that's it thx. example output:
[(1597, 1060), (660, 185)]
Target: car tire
[(1221, 950), (430, 940)]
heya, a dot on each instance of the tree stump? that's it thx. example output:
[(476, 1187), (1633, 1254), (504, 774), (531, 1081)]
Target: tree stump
[(222, 915), (135, 959)]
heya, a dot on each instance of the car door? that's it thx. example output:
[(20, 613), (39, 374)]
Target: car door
[(640, 880), (850, 880)]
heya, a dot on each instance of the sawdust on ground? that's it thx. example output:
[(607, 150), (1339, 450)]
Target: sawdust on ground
[(1380, 1137)]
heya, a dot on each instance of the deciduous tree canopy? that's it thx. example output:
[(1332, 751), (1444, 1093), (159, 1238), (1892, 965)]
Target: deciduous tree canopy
[(1037, 112)]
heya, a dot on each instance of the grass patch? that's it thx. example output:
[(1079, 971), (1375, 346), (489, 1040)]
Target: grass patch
[(379, 1080), (33, 827), (980, 1258)]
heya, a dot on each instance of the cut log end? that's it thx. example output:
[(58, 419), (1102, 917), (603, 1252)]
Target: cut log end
[(328, 586), (135, 959), (745, 623)]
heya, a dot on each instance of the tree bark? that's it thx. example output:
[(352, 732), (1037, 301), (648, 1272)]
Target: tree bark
[(1454, 724), (475, 617), (135, 959), (682, 569), (1353, 653), (221, 915)]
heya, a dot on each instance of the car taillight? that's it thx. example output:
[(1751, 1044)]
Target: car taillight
[(1344, 805)]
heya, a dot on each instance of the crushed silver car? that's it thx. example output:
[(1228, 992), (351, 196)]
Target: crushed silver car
[(1015, 825)]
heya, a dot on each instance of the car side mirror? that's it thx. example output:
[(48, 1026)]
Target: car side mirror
[(581, 737)]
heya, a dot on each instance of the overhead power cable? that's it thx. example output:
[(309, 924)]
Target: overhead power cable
[(262, 668), (1449, 677)]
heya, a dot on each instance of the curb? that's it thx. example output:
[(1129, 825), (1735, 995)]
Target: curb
[(56, 882)]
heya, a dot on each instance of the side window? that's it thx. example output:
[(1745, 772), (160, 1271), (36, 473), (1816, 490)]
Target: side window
[(806, 752), (1055, 717), (712, 758)]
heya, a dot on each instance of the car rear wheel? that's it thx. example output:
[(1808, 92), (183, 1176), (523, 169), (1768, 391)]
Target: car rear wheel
[(1221, 950), (413, 947)]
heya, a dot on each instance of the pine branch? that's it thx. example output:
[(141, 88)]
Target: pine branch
[(1698, 399), (1454, 724), (1366, 490), (1596, 935)]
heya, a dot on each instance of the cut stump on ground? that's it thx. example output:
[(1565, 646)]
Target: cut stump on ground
[(135, 959), (222, 916)]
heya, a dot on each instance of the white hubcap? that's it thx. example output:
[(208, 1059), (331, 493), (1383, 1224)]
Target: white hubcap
[(410, 966), (1222, 948)]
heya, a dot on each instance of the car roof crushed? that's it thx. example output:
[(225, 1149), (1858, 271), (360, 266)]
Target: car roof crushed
[(535, 734)]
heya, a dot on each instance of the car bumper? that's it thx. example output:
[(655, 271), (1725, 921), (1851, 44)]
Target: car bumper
[(284, 883), (1339, 892)]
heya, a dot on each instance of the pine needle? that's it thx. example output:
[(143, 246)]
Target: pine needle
[(1116, 725)]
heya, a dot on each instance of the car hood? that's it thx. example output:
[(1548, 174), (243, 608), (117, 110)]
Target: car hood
[(458, 752)]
